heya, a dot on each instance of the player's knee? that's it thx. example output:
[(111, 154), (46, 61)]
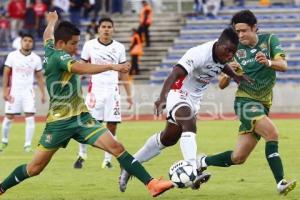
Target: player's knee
[(34, 170), (272, 135), (116, 148), (238, 159)]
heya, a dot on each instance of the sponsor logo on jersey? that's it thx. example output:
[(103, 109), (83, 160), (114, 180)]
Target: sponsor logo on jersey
[(253, 50), (65, 57), (241, 53)]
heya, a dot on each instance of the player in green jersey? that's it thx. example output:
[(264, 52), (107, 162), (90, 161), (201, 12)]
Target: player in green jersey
[(259, 56), (68, 117)]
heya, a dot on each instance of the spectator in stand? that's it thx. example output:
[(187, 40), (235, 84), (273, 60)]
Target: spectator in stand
[(40, 9), (89, 6), (30, 20), (145, 22), (211, 7), (239, 2), (136, 51), (16, 11), (91, 30), (265, 2), (117, 6), (197, 6), (75, 11), (61, 6), (4, 31)]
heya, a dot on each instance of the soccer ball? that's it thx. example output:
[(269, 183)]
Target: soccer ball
[(182, 174)]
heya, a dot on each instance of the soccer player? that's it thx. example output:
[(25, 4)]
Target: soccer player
[(68, 116), (259, 56), (21, 66), (103, 98), (181, 95)]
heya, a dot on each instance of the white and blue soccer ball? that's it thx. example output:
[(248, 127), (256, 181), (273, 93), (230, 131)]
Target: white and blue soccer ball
[(182, 174)]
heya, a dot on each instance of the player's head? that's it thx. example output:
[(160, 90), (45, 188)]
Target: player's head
[(227, 45), (245, 24), (67, 36), (27, 42), (106, 28)]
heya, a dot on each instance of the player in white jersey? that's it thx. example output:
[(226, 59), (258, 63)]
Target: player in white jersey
[(103, 98), (21, 66), (181, 95)]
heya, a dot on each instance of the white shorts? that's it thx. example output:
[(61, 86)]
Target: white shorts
[(22, 101), (104, 105), (177, 99)]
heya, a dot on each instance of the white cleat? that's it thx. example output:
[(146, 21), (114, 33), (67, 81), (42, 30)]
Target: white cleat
[(200, 162), (123, 180), (284, 187)]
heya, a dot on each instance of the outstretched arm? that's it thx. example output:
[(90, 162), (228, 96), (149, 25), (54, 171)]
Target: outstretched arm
[(52, 18)]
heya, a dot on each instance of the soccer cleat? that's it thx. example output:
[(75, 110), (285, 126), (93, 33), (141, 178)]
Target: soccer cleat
[(3, 146), (1, 190), (78, 163), (284, 187), (200, 162), (158, 186), (202, 177), (123, 180), (27, 149), (106, 164)]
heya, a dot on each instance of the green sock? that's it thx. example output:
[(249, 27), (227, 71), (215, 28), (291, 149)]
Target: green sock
[(220, 160), (16, 177), (274, 160), (133, 167)]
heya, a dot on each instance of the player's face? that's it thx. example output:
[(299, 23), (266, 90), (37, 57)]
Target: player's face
[(246, 33), (225, 52), (106, 30), (71, 46), (27, 43)]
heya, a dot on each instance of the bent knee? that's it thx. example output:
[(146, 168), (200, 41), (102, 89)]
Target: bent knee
[(238, 160), (34, 170), (116, 148)]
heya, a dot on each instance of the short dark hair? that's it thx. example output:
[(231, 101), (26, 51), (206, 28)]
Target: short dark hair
[(105, 19), (27, 35), (229, 34), (244, 16), (64, 31)]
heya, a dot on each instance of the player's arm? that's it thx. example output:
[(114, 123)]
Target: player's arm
[(177, 72), (6, 73), (88, 68), (52, 18), (224, 81), (41, 84), (278, 63), (236, 77), (125, 81)]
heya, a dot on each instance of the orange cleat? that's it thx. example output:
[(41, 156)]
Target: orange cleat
[(159, 186)]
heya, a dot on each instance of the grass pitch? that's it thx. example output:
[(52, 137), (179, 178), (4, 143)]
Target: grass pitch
[(60, 181)]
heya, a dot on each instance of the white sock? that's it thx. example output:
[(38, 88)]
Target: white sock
[(108, 156), (151, 148), (6, 124), (188, 147), (29, 130), (82, 150)]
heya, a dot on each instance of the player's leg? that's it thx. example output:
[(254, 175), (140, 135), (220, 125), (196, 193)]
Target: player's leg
[(28, 104), (112, 127), (29, 131), (82, 156), (266, 128), (22, 172), (6, 124)]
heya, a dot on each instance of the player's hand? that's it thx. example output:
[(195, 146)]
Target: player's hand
[(239, 78), (123, 68), (7, 96), (159, 106), (261, 58), (130, 102), (234, 65), (52, 17)]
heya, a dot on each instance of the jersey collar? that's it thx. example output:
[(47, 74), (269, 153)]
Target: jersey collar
[(105, 44)]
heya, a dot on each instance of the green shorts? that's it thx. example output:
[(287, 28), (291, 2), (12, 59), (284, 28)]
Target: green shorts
[(82, 128), (249, 111)]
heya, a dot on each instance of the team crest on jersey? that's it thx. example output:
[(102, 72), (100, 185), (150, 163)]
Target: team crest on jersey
[(241, 53)]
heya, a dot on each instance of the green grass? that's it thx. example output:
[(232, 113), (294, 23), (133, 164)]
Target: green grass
[(60, 181)]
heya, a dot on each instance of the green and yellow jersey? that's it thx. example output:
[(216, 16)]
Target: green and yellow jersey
[(64, 87), (265, 77)]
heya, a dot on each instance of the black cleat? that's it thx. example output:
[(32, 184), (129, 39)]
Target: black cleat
[(78, 163)]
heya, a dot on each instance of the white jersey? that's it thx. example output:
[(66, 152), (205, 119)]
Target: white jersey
[(98, 53), (23, 69), (201, 68)]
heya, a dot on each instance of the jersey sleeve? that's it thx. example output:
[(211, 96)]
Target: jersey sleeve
[(65, 61), (85, 52), (189, 61), (39, 65), (9, 61), (275, 47), (122, 54), (49, 47)]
